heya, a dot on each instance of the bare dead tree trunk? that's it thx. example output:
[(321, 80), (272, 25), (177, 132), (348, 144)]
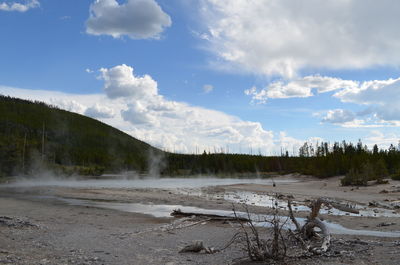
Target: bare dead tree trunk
[(307, 232), (23, 155)]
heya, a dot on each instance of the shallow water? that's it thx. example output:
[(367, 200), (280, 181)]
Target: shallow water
[(141, 183), (164, 211), (265, 200)]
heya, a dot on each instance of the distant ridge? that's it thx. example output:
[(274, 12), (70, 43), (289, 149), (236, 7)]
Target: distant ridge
[(34, 134), (35, 137)]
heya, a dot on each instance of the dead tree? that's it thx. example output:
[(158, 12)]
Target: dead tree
[(306, 233), (259, 249)]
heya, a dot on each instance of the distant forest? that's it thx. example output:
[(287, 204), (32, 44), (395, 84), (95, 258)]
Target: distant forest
[(357, 162), (35, 136)]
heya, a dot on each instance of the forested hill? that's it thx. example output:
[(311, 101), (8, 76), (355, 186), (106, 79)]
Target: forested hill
[(34, 135)]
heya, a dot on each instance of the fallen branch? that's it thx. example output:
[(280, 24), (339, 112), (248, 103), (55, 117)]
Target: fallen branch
[(344, 208), (198, 246), (298, 228), (309, 226), (212, 217), (307, 232)]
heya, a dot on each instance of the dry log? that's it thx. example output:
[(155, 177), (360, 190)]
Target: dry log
[(292, 216), (179, 213), (198, 246), (309, 228), (307, 232), (315, 207), (344, 208)]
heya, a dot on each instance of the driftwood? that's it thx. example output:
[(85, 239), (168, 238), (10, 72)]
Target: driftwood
[(308, 229), (344, 208), (198, 246), (275, 248), (211, 217), (294, 221), (307, 232)]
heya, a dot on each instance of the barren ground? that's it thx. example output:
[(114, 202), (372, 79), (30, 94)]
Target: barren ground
[(37, 228)]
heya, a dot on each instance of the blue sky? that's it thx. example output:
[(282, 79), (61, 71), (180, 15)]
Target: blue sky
[(191, 75)]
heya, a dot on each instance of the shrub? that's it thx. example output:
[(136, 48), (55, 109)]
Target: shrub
[(355, 177), (396, 176)]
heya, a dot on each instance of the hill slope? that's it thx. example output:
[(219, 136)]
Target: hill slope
[(33, 134)]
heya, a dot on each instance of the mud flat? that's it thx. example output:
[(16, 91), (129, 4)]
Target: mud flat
[(130, 224)]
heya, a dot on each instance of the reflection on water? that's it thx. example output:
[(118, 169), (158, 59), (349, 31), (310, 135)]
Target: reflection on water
[(165, 211)]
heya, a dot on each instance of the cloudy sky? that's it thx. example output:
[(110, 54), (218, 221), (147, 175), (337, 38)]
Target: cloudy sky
[(243, 76)]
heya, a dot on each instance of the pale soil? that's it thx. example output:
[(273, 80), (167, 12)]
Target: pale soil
[(310, 186), (66, 234)]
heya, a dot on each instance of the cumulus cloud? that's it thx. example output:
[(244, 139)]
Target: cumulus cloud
[(383, 140), (119, 81), (380, 92), (67, 104), (98, 111), (299, 88), (208, 88), (174, 126), (282, 37), (381, 96), (137, 19), (339, 116), (19, 7)]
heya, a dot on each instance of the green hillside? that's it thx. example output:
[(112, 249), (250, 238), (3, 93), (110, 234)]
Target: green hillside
[(34, 135)]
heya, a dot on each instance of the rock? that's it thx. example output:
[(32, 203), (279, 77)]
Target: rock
[(16, 222), (196, 246)]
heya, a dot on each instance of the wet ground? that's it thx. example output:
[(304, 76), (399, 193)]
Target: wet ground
[(129, 222)]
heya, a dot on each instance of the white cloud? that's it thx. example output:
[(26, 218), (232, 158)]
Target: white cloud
[(379, 92), (299, 88), (208, 88), (98, 111), (383, 140), (67, 104), (137, 19), (19, 7), (175, 126), (282, 37), (119, 81), (382, 97), (339, 116)]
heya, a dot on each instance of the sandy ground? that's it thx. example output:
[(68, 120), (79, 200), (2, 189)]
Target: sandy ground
[(35, 228)]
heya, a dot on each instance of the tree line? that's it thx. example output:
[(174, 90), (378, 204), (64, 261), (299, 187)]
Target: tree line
[(34, 135), (323, 160)]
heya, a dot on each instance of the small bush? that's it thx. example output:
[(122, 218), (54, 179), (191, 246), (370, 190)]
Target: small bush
[(355, 177), (380, 172), (396, 176)]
